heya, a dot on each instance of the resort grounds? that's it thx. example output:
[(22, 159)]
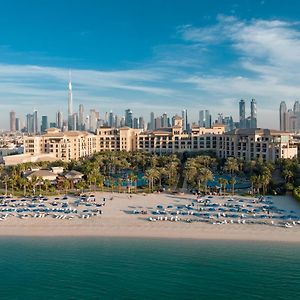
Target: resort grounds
[(158, 215)]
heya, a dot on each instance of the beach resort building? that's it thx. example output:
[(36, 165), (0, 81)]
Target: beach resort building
[(246, 144)]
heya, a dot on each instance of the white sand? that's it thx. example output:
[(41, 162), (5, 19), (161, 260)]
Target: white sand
[(115, 222)]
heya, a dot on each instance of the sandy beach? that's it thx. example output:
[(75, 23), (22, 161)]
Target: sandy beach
[(118, 220)]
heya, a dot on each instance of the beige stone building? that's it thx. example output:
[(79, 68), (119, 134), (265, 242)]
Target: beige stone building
[(246, 144), (250, 144)]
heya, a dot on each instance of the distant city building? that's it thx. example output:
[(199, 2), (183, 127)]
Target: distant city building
[(93, 120), (242, 113), (128, 118), (152, 121), (135, 123), (81, 119), (59, 120), (35, 122), (111, 120), (70, 104), (18, 124), (185, 119), (204, 119), (12, 121), (44, 125), (253, 116), (282, 116), (141, 123), (289, 119), (30, 123), (75, 121)]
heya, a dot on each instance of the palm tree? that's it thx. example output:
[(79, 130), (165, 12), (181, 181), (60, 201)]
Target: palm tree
[(6, 180), (151, 175), (288, 175), (24, 183), (33, 183), (47, 185), (231, 165), (232, 181), (80, 185), (265, 180), (223, 181), (205, 175), (171, 170), (255, 182), (66, 185)]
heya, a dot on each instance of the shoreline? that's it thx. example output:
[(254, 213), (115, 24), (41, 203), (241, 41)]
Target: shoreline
[(117, 221)]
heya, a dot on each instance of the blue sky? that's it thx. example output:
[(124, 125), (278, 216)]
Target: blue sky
[(160, 56)]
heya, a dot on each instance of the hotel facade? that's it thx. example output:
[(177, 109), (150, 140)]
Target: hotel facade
[(245, 144)]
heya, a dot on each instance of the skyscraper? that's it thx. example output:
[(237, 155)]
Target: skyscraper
[(152, 121), (12, 121), (44, 125), (242, 114), (204, 119), (111, 118), (128, 118), (93, 120), (81, 120), (70, 104), (282, 116), (135, 123), (75, 121), (18, 124), (30, 123), (59, 120), (253, 116), (185, 119), (141, 123), (35, 122), (164, 121)]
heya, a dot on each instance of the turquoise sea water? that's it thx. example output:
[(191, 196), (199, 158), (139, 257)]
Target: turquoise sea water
[(105, 268)]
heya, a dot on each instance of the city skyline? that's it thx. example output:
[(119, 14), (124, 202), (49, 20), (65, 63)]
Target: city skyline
[(121, 58), (78, 120)]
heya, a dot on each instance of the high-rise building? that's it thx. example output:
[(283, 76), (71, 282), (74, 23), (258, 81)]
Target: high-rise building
[(122, 122), (111, 122), (59, 120), (152, 121), (81, 121), (93, 120), (36, 128), (242, 114), (164, 121), (12, 121), (253, 116), (204, 119), (18, 124), (185, 119), (70, 104), (128, 118), (135, 123), (297, 114), (44, 125), (75, 121), (141, 123), (282, 116), (117, 121), (30, 123), (157, 122)]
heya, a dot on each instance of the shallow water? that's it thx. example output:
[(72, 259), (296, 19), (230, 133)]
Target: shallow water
[(114, 268)]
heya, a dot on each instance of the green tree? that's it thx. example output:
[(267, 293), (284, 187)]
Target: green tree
[(232, 181)]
